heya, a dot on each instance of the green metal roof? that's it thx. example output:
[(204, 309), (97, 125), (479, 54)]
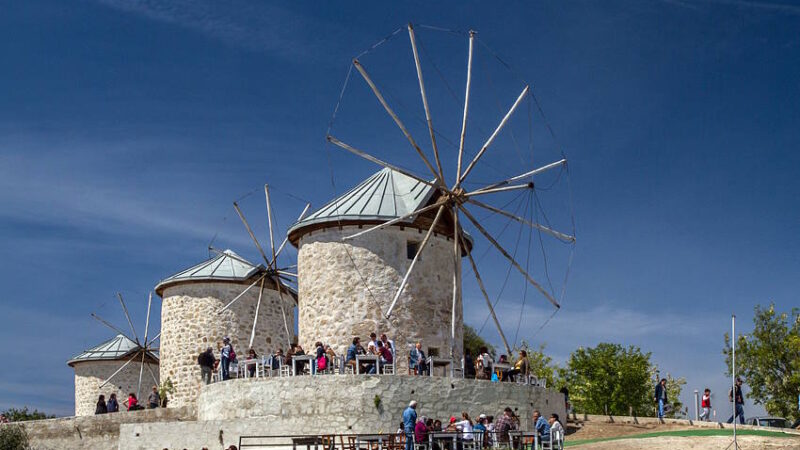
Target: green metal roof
[(386, 195), (226, 266), (116, 348)]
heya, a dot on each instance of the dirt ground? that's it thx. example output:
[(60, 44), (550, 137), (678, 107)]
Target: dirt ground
[(595, 430)]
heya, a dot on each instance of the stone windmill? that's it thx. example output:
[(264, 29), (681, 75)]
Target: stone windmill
[(386, 255), (117, 365)]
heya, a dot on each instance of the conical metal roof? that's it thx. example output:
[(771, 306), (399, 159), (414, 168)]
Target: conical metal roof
[(226, 266), (116, 348), (385, 195)]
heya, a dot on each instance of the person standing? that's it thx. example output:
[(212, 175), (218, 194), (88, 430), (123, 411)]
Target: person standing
[(226, 356), (409, 423), (738, 399), (112, 405), (206, 362), (101, 407), (706, 405), (154, 400), (661, 397)]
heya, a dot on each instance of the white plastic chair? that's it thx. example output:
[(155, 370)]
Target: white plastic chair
[(556, 441)]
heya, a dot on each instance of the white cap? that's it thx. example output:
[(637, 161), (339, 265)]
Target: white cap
[(412, 403), (482, 416)]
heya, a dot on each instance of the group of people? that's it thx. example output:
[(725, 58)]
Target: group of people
[(154, 400), (735, 396), (485, 428), (382, 348)]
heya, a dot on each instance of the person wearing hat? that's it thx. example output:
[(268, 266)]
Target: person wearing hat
[(409, 423), (480, 430), (227, 354), (738, 400)]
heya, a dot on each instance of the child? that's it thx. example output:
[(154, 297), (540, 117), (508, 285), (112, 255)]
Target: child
[(706, 404)]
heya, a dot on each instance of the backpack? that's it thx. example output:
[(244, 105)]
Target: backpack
[(232, 354), (322, 362)]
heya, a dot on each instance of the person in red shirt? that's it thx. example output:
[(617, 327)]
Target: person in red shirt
[(385, 353), (133, 404), (706, 405)]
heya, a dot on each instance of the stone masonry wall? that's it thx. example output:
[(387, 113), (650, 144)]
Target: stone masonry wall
[(90, 375), (340, 297), (190, 323), (95, 432), (333, 404)]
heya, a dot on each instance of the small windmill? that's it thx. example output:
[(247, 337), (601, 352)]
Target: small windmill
[(454, 199), (277, 275), (144, 352)]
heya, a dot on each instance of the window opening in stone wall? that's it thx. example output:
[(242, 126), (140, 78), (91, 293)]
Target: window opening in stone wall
[(433, 351), (411, 249)]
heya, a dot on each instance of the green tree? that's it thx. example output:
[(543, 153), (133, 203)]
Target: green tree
[(23, 414), (610, 379), (473, 342), (768, 359), (542, 366)]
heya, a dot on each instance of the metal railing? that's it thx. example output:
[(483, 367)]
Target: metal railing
[(439, 440)]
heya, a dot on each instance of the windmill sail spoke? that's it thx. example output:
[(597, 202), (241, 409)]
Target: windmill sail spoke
[(130, 360), (531, 173), (286, 239), (141, 371), (414, 261), (147, 321), (153, 340), (494, 135), (425, 101), (127, 316), (240, 295), (271, 264), (396, 119), (556, 234), (509, 257), (456, 281), (486, 297), (466, 109), (106, 323), (255, 319), (289, 274), (392, 222), (513, 187), (155, 380), (377, 161), (250, 232)]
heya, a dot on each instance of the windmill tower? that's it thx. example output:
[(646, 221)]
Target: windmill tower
[(335, 303), (102, 369), (197, 312)]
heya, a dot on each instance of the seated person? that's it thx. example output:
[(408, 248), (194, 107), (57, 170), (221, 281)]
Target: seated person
[(356, 349), (251, 365), (385, 353), (483, 366), (541, 425), (522, 367), (276, 360)]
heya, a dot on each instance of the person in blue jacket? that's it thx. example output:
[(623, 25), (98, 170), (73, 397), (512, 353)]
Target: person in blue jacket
[(409, 422)]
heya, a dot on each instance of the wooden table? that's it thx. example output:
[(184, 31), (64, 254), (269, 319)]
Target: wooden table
[(366, 358), (301, 358)]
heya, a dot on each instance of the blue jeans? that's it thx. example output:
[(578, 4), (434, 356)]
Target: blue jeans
[(225, 363), (661, 408), (739, 413), (410, 440)]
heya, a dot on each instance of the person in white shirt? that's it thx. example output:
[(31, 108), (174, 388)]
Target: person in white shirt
[(372, 345), (465, 426), (555, 425)]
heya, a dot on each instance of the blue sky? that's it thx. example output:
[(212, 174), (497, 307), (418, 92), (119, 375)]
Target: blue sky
[(128, 128)]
